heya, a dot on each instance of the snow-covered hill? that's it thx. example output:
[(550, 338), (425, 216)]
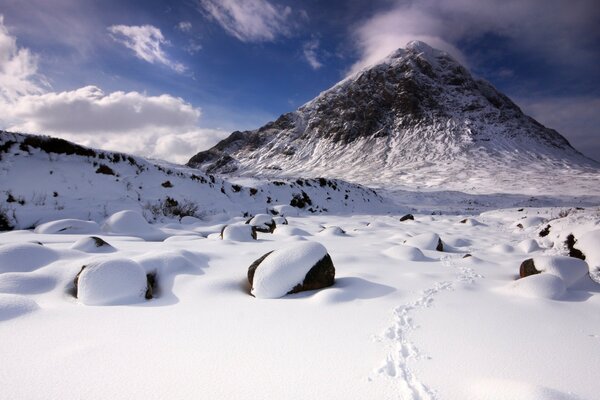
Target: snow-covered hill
[(416, 119), (42, 179)]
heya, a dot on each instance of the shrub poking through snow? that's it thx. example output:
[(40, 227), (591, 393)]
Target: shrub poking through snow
[(105, 169), (292, 269), (407, 217), (239, 233), (263, 223), (573, 252), (569, 269), (111, 282)]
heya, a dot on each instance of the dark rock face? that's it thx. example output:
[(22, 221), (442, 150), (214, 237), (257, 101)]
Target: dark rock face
[(573, 252), (440, 245), (407, 217), (321, 275), (528, 268), (99, 242), (264, 227)]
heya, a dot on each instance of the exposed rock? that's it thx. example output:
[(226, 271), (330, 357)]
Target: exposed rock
[(407, 217), (528, 268), (263, 223), (299, 267), (546, 231)]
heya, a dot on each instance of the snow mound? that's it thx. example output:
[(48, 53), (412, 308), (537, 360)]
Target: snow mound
[(569, 269), (189, 220), (332, 231), (539, 286), (280, 220), (25, 283), (425, 241), (497, 389), (470, 222), (93, 244), (285, 210), (112, 282), (131, 223), (76, 226), (589, 244), (407, 253), (529, 222), (167, 261), (290, 231), (13, 306), (262, 222), (282, 270), (502, 248), (25, 257), (528, 246), (239, 233)]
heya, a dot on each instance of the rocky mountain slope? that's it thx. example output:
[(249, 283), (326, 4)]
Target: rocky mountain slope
[(416, 119), (43, 179)]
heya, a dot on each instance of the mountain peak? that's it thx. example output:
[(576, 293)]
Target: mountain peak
[(417, 117)]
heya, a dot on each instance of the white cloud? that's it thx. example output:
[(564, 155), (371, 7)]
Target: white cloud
[(18, 68), (576, 118), (89, 109), (184, 26), (546, 27), (162, 126), (146, 42), (249, 20), (310, 53)]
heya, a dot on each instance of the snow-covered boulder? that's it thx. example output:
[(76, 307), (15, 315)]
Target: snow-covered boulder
[(543, 286), (285, 210), (131, 223), (470, 222), (263, 223), (569, 269), (290, 231), (291, 269), (426, 241), (25, 257), (405, 253), (93, 244), (332, 231), (529, 222), (589, 244), (528, 246), (111, 282), (238, 233), (280, 220), (73, 226), (12, 306)]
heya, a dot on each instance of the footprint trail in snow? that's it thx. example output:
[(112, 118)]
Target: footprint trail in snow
[(402, 349)]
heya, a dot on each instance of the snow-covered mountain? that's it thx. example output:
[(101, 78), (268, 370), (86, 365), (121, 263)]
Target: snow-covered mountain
[(418, 118), (43, 178)]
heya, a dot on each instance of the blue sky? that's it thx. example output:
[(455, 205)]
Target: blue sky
[(167, 79)]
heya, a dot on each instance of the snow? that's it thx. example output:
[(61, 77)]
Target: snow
[(543, 286), (25, 257), (238, 233), (68, 226), (93, 244), (569, 269), (111, 282), (285, 268), (398, 320), (589, 244)]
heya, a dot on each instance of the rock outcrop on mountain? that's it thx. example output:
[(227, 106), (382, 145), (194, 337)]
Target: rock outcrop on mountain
[(417, 118)]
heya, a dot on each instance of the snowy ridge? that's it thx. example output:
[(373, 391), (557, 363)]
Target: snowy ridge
[(43, 179), (418, 118)]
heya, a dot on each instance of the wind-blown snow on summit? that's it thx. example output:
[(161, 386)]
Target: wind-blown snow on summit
[(417, 118)]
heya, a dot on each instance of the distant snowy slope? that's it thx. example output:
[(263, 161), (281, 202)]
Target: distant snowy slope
[(42, 179), (418, 118)]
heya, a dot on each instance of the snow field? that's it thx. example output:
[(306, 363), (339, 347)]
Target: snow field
[(394, 325)]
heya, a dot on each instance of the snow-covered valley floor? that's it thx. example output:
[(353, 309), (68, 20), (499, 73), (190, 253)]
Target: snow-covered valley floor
[(402, 321)]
